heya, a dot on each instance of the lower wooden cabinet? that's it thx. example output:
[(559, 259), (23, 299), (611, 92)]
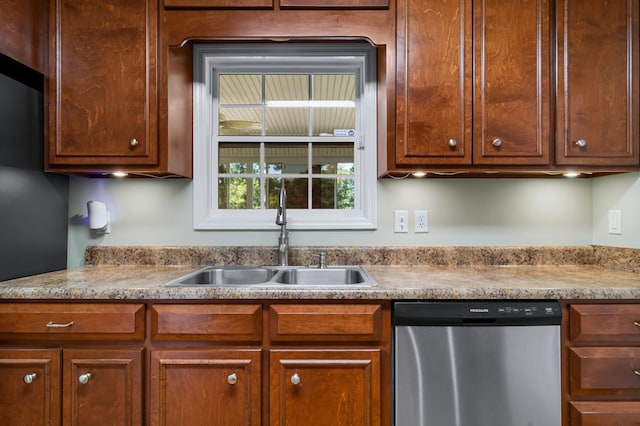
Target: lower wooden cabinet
[(602, 364), (30, 386), (244, 363), (322, 387), (214, 387), (273, 364), (99, 386), (102, 386)]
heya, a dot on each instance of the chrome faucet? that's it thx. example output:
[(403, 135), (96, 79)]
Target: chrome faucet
[(281, 219)]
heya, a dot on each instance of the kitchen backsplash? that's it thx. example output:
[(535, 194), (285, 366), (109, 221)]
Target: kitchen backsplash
[(610, 257)]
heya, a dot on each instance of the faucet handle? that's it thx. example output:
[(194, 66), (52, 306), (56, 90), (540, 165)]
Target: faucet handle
[(321, 261)]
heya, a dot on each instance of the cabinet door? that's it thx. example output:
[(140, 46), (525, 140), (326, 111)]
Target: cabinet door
[(433, 83), (597, 81), (30, 390), (512, 74), (23, 32), (205, 386), (325, 387), (102, 386), (102, 91)]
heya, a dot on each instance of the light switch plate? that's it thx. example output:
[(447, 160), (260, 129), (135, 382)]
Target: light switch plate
[(615, 222), (401, 221)]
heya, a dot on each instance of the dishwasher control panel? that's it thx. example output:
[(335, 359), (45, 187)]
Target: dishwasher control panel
[(480, 312)]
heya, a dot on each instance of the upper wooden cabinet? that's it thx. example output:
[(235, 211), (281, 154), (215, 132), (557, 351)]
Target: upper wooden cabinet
[(23, 32), (102, 100), (505, 64), (512, 75), (597, 79), (433, 119)]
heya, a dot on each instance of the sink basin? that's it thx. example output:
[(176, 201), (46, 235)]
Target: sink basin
[(220, 276), (321, 277), (272, 276)]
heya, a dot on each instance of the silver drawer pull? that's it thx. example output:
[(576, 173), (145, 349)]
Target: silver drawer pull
[(637, 373), (232, 379), (84, 378), (52, 324), (636, 323)]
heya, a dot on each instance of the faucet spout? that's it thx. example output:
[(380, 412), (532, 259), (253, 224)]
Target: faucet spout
[(281, 219), (281, 214)]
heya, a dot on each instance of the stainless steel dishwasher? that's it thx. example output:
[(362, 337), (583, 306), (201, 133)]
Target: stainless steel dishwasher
[(477, 363)]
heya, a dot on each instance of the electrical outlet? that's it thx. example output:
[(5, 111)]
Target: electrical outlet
[(401, 221), (615, 222), (421, 222)]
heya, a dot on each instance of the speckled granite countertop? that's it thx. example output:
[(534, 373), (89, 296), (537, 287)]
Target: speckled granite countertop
[(588, 272)]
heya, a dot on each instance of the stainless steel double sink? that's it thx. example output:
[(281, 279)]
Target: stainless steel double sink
[(275, 276)]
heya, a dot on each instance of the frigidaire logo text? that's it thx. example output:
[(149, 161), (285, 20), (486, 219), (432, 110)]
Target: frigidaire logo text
[(479, 310)]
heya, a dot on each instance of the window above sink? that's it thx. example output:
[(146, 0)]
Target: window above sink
[(300, 115)]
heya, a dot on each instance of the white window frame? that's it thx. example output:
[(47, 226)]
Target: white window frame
[(282, 56)]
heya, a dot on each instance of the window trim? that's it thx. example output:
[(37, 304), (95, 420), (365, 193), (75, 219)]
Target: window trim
[(206, 215)]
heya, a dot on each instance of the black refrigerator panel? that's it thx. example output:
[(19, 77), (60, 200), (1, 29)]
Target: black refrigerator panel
[(33, 204)]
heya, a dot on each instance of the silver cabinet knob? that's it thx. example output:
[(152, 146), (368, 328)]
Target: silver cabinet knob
[(637, 373), (453, 142), (84, 378), (581, 143), (496, 142), (29, 378), (232, 378), (134, 142), (295, 379), (636, 323)]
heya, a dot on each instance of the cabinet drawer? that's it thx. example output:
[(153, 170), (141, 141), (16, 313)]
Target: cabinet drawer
[(605, 413), (351, 322), (67, 321), (618, 323), (334, 4), (218, 4), (212, 322), (611, 371)]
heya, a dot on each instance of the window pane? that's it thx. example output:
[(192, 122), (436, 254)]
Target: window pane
[(238, 193), (345, 194), (287, 121), (333, 158), (337, 94), (240, 121), (326, 120), (286, 158), (287, 87), (323, 194), (333, 193), (272, 188), (334, 87), (238, 157), (240, 89), (297, 193)]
